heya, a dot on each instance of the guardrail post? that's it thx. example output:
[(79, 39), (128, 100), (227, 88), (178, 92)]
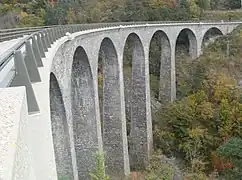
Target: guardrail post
[(44, 41), (58, 32), (41, 48), (62, 31), (22, 79), (50, 36), (47, 38), (31, 63), (65, 30), (54, 34), (37, 52)]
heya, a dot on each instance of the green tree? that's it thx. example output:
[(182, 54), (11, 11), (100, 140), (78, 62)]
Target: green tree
[(232, 151), (57, 14), (204, 4)]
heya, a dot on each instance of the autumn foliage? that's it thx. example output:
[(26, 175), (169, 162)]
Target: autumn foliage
[(209, 111)]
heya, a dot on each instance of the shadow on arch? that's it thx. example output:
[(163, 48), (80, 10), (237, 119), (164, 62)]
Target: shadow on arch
[(60, 132)]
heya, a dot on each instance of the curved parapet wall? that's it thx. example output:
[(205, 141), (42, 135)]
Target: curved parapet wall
[(66, 130)]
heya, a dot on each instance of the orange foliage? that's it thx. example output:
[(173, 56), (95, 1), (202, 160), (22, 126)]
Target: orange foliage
[(136, 176), (220, 164), (170, 3), (52, 2)]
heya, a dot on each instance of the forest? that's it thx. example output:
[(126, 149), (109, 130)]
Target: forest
[(198, 136), (53, 12)]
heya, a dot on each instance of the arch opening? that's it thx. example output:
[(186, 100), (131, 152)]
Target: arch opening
[(83, 113), (210, 36), (185, 52), (160, 68), (186, 43), (112, 112), (60, 133), (135, 101)]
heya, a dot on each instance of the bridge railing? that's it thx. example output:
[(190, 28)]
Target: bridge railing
[(8, 34), (19, 65)]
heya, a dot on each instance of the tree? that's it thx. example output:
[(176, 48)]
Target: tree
[(204, 4), (193, 9), (56, 15), (232, 151)]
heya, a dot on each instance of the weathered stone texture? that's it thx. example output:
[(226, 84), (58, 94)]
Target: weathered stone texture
[(61, 139), (78, 84), (114, 124)]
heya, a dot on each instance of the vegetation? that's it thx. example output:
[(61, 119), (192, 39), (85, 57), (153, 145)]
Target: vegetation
[(48, 12), (208, 113), (99, 174), (232, 151), (158, 170)]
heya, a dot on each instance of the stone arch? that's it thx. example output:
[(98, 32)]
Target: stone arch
[(60, 133), (210, 35), (186, 40), (164, 65), (188, 37), (137, 103), (113, 115), (85, 124)]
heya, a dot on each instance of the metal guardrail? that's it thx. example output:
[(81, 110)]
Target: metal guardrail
[(23, 70)]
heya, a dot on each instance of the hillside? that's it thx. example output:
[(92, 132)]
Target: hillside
[(225, 15), (209, 111), (45, 12)]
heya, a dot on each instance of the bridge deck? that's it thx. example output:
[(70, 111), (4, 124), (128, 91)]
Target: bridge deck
[(6, 45)]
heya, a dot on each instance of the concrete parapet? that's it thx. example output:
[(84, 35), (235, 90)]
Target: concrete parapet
[(15, 153)]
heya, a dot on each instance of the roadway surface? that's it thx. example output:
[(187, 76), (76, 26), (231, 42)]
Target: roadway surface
[(6, 45)]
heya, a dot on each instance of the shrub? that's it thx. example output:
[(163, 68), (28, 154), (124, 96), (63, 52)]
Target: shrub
[(209, 111), (100, 169), (232, 151)]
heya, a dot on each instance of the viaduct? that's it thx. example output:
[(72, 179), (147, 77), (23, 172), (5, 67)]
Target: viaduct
[(49, 104)]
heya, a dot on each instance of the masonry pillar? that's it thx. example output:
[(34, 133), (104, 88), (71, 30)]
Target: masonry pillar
[(193, 51), (114, 122), (199, 47), (166, 91), (141, 125), (86, 125)]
